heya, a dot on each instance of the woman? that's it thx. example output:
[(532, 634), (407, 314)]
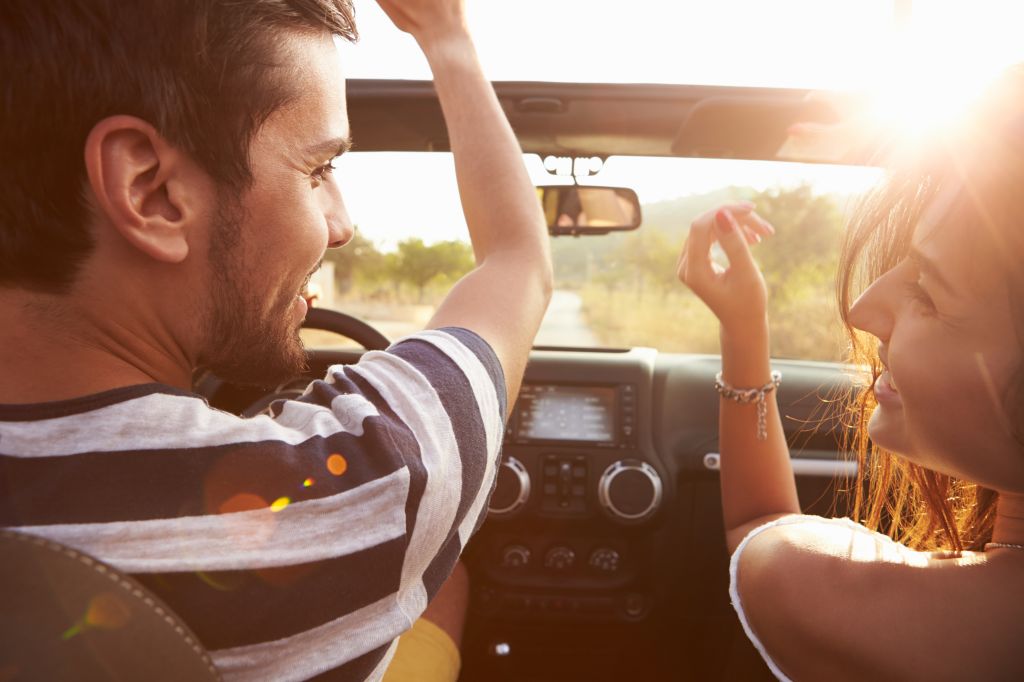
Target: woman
[(941, 324)]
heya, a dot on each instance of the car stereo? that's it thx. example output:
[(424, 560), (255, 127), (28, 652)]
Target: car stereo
[(583, 414)]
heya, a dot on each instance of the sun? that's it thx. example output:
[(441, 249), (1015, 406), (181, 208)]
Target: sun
[(941, 60)]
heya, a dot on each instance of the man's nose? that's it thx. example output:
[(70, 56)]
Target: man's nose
[(339, 226), (339, 230)]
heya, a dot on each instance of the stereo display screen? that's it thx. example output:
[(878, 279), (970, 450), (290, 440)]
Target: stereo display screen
[(576, 413)]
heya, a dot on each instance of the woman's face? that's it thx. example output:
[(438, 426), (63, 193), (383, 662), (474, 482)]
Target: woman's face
[(947, 342)]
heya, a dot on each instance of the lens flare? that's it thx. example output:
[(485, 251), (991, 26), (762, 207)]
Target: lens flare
[(242, 502), (106, 610), (337, 464), (219, 581), (308, 483)]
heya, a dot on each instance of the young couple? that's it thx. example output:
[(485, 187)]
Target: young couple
[(165, 195)]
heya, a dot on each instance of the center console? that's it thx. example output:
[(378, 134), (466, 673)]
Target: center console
[(579, 494)]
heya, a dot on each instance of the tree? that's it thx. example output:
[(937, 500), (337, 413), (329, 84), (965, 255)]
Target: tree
[(360, 258), (419, 264)]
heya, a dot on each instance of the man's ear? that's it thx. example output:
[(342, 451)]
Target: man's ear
[(139, 182)]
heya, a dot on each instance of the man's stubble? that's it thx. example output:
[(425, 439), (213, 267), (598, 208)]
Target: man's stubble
[(242, 343)]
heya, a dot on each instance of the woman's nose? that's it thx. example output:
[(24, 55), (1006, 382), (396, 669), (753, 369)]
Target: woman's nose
[(872, 312)]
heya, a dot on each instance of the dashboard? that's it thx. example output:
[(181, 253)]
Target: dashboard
[(603, 553)]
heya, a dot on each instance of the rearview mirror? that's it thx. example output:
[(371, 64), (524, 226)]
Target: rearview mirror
[(578, 210)]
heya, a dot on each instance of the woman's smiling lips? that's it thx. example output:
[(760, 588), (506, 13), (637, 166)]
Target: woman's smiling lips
[(885, 391)]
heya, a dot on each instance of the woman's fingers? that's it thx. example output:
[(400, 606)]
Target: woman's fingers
[(756, 223), (739, 224), (733, 238), (695, 263)]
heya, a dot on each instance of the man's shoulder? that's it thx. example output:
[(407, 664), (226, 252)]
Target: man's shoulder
[(445, 352)]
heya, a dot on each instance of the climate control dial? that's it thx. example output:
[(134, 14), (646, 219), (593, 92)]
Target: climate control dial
[(605, 560), (559, 558), (630, 491), (515, 556), (512, 489)]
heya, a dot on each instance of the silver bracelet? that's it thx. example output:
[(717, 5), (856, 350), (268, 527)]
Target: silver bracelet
[(751, 395)]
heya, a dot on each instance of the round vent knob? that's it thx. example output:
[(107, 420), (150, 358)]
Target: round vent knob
[(512, 489), (630, 490), (559, 558), (605, 559), (515, 556)]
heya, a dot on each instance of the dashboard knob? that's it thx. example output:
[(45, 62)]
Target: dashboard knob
[(512, 489), (605, 559), (515, 556), (559, 558), (630, 491)]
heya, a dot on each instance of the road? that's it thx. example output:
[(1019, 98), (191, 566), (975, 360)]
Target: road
[(564, 324)]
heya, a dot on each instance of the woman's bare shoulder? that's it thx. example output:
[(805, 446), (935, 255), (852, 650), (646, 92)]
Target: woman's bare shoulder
[(829, 597)]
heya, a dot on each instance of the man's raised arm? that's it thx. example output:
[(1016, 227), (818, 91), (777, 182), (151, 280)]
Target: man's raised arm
[(504, 298)]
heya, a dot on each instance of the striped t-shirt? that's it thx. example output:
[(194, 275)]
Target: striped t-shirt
[(295, 544)]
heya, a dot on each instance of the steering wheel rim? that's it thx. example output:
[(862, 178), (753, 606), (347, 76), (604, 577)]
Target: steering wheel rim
[(346, 325)]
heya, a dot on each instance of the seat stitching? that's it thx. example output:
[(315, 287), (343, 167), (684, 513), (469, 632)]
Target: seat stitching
[(124, 584)]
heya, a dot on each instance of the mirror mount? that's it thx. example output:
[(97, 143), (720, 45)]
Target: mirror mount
[(574, 166)]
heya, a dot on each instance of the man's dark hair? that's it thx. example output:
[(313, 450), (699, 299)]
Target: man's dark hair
[(205, 73)]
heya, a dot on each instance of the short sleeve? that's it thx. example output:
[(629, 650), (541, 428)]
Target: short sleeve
[(734, 594), (446, 390)]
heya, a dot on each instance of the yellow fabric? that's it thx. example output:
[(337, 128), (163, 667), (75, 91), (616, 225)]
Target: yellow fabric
[(425, 654)]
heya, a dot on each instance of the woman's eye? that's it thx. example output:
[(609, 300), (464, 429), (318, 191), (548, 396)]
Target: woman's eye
[(921, 297)]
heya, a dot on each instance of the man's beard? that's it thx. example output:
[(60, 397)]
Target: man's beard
[(242, 343)]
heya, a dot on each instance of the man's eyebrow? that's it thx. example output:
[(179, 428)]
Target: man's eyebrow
[(929, 268), (334, 147)]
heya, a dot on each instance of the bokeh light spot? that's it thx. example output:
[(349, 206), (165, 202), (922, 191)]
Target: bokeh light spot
[(242, 502), (279, 504), (106, 610), (220, 580), (337, 464), (308, 483)]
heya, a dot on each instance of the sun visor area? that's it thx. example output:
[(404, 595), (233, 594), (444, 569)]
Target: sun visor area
[(744, 127)]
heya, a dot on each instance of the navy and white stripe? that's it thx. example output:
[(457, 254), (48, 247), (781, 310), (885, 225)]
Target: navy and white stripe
[(155, 482)]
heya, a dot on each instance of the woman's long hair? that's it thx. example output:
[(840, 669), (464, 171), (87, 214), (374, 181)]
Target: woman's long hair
[(918, 507)]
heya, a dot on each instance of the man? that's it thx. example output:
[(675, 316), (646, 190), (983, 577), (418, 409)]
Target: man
[(165, 194)]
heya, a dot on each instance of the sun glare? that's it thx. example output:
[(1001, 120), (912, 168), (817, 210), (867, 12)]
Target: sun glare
[(941, 60)]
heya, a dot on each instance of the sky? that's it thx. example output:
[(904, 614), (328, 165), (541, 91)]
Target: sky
[(919, 67)]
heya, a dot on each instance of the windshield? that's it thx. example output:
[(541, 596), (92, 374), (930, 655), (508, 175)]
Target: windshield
[(917, 61), (617, 290)]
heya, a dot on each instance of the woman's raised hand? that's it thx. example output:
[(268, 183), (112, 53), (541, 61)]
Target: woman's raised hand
[(736, 294)]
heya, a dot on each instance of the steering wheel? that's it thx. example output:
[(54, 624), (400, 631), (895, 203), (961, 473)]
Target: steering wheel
[(346, 325)]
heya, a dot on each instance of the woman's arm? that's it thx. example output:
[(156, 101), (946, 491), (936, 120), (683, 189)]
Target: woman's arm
[(756, 475)]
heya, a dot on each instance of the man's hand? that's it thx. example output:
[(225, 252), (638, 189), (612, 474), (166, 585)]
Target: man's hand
[(427, 20), (504, 298)]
